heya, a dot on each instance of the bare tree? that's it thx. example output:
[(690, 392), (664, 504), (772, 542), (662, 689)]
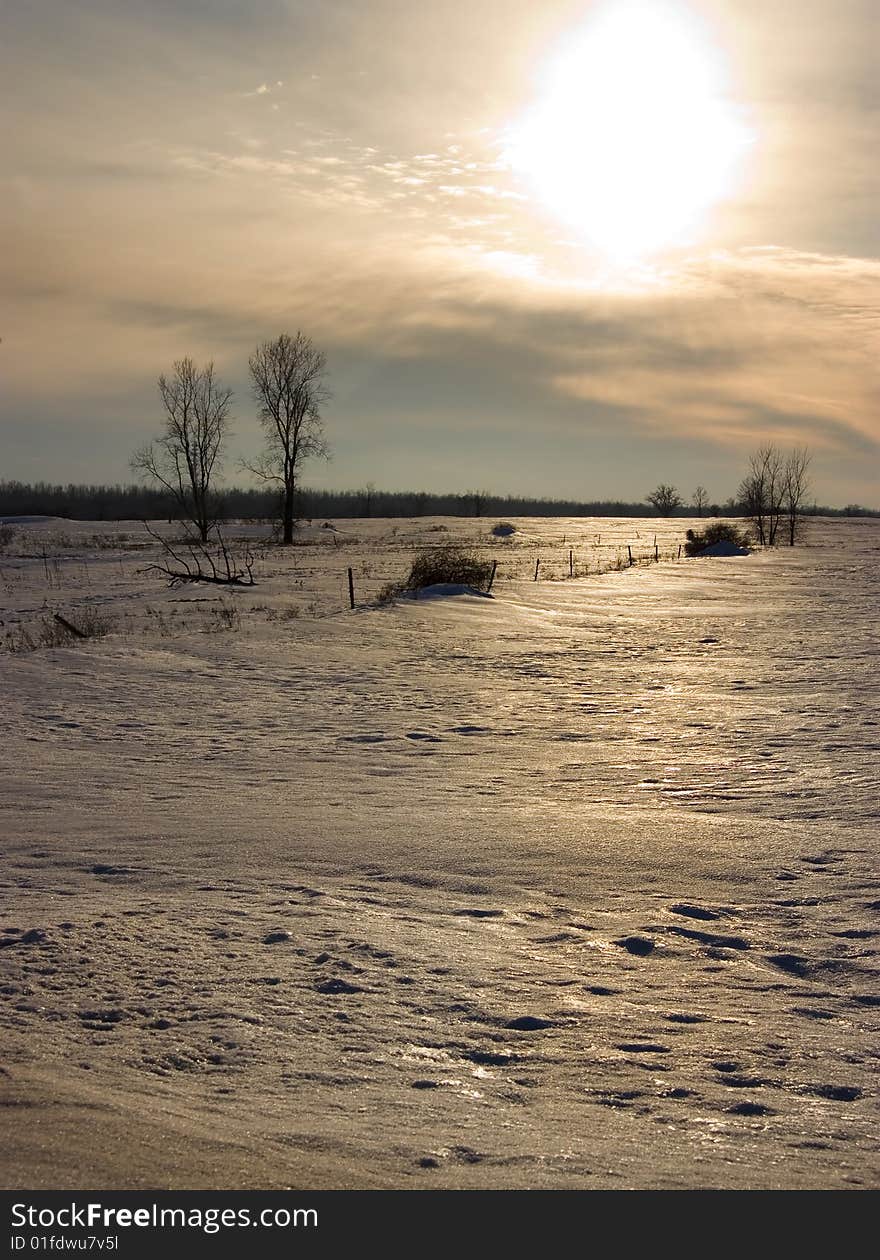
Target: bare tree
[(477, 499), (288, 383), (368, 497), (796, 487), (186, 457), (760, 494), (700, 499), (665, 499)]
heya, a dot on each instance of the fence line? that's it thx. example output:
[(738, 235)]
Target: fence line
[(518, 563)]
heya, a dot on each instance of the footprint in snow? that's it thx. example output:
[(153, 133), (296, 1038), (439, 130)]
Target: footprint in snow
[(693, 912), (638, 945), (642, 1047), (793, 964), (34, 936), (734, 1081), (712, 938), (338, 986), (489, 1058), (812, 1012), (838, 1093), (749, 1109), (529, 1023)]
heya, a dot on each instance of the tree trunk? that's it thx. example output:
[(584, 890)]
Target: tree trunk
[(288, 515)]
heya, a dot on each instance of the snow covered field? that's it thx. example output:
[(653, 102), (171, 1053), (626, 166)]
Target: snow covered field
[(575, 887)]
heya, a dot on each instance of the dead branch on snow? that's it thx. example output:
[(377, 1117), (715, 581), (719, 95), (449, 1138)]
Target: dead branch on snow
[(196, 562)]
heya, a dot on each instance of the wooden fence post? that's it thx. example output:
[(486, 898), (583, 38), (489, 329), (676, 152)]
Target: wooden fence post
[(351, 588), (537, 566), (571, 564), (629, 552), (492, 576)]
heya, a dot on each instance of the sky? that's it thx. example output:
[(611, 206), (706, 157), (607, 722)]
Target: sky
[(561, 250)]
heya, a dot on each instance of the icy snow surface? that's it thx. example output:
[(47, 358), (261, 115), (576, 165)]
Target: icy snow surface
[(575, 887)]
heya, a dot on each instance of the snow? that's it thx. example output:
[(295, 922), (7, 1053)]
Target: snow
[(440, 590), (724, 547), (29, 520), (575, 887)]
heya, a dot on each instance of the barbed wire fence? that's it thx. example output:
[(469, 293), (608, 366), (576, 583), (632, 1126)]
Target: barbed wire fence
[(362, 583)]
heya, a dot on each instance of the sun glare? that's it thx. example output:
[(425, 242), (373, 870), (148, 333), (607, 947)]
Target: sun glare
[(633, 139)]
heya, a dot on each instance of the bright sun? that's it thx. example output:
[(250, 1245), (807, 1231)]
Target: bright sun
[(633, 139)]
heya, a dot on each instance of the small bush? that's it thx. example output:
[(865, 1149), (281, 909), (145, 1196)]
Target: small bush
[(389, 593), (226, 617), (503, 529), (116, 542), (93, 624), (51, 632), (7, 536), (721, 531), (166, 623), (289, 612), (448, 563)]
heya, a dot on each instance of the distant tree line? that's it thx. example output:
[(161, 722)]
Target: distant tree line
[(137, 502)]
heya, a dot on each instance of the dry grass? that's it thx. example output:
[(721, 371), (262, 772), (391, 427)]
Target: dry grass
[(51, 631)]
